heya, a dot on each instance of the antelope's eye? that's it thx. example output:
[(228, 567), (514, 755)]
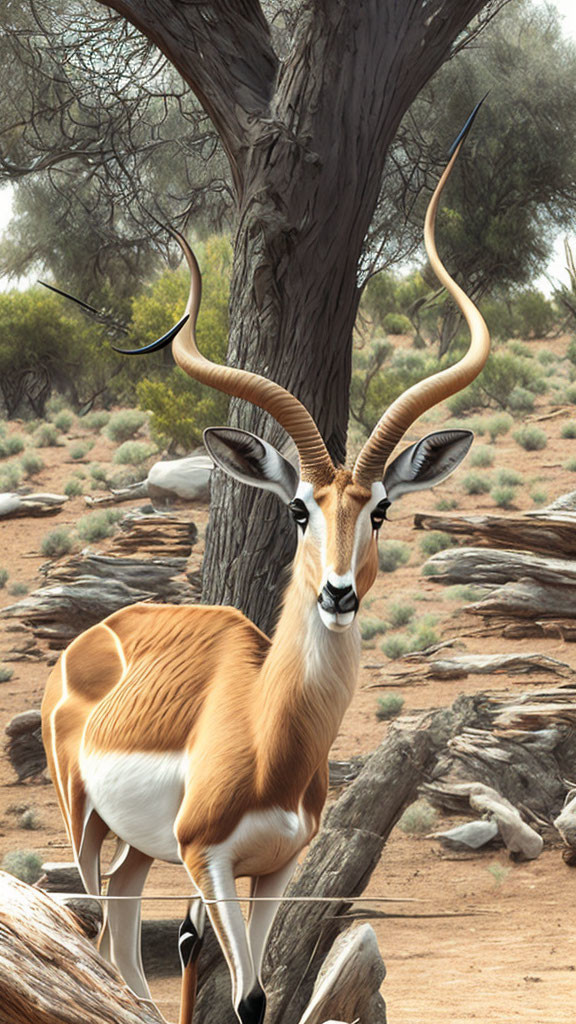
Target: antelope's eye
[(378, 514), (299, 512)]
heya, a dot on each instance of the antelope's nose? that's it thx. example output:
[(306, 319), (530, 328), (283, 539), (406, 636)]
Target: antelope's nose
[(338, 600)]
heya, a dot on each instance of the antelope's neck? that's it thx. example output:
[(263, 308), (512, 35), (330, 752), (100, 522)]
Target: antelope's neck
[(304, 688)]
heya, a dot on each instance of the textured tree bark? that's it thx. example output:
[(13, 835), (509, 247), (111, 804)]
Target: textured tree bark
[(548, 533), (307, 139)]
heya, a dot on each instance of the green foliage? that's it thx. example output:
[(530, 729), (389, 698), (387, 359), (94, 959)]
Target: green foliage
[(570, 465), (509, 478), (435, 541), (4, 576), (95, 420), (498, 425), (503, 496), (418, 818), (396, 323), (13, 444), (481, 457), (23, 864), (46, 436), (536, 315), (380, 374), (538, 497), (503, 381), (532, 439), (569, 430), (399, 614), (521, 400), (78, 451), (6, 674), (98, 525), (392, 554), (63, 420), (389, 705), (132, 453), (31, 464), (476, 483), (369, 628), (464, 592), (29, 820), (73, 488), (446, 504), (19, 589), (398, 644), (57, 543), (124, 425), (571, 394), (180, 407), (10, 477)]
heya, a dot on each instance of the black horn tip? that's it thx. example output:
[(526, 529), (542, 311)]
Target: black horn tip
[(154, 346), (462, 134), (67, 295)]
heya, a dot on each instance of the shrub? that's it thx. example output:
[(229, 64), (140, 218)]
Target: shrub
[(539, 497), (446, 504), (571, 394), (509, 478), (498, 425), (98, 473), (29, 820), (64, 420), (435, 541), (392, 554), (532, 439), (389, 706), (46, 436), (418, 818), (10, 477), (98, 525), (19, 589), (399, 614), (57, 543), (569, 430), (570, 465), (4, 574), (125, 424), (481, 457), (95, 420), (6, 674), (31, 464), (521, 400), (78, 451), (474, 483), (23, 864), (132, 453), (73, 488), (396, 646), (369, 628), (503, 496), (13, 444), (396, 323), (464, 592)]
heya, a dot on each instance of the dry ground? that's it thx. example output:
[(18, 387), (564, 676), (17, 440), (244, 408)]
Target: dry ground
[(511, 956)]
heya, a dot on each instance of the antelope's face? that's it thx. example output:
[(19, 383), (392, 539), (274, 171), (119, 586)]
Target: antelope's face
[(338, 528)]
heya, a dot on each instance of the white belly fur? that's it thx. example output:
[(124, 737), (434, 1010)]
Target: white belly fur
[(138, 796), (263, 841)]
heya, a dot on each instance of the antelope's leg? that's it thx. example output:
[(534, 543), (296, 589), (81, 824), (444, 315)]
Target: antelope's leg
[(86, 846), (214, 877), (120, 936), (271, 887), (190, 940)]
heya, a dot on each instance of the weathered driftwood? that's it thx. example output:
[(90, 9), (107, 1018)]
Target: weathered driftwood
[(156, 534), (486, 566), (349, 981), (518, 837), (169, 483), (50, 973), (565, 823), (13, 505), (546, 532), (473, 835), (462, 665), (24, 747), (159, 578)]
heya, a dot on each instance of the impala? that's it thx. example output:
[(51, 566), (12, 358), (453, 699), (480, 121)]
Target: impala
[(195, 738)]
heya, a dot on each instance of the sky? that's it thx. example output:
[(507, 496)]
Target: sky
[(556, 270)]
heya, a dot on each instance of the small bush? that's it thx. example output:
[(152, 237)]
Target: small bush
[(464, 592), (23, 864), (539, 497), (499, 873), (19, 589), (124, 425), (570, 465), (498, 425), (6, 674), (571, 394), (389, 706), (569, 430), (64, 420), (98, 473), (73, 488), (481, 457), (46, 436), (29, 820), (531, 439), (132, 453), (521, 400), (78, 451), (4, 574), (446, 504), (474, 483), (57, 543), (95, 420), (418, 818), (399, 614), (369, 628), (31, 464), (503, 497), (10, 477), (396, 646), (13, 444), (509, 478), (98, 525), (396, 323), (392, 554), (434, 542)]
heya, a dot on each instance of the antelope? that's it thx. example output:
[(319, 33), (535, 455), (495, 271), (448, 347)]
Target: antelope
[(194, 737)]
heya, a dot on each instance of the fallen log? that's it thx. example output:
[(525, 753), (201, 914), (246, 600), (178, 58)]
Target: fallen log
[(483, 566), (155, 577), (460, 666), (527, 599), (155, 534), (13, 505), (544, 532)]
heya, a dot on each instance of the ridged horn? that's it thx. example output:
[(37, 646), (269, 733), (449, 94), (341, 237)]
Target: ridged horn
[(316, 466), (420, 397)]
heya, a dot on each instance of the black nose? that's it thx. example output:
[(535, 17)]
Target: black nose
[(338, 599)]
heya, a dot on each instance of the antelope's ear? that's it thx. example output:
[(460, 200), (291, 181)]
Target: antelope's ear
[(427, 462), (252, 461)]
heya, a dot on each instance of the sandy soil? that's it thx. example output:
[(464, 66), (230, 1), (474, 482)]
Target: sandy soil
[(481, 944)]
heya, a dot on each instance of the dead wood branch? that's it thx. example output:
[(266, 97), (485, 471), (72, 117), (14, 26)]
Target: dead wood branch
[(14, 505), (546, 533)]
